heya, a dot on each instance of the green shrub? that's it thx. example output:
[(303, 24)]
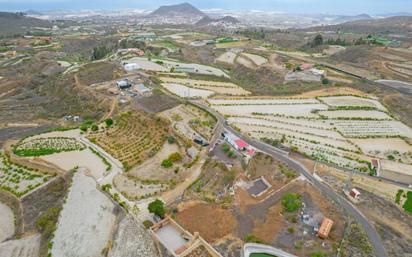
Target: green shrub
[(291, 202), (318, 254), (253, 239), (94, 127), (109, 122), (167, 163)]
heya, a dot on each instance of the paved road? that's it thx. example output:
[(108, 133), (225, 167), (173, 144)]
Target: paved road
[(280, 154)]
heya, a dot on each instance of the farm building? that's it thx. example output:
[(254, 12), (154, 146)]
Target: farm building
[(236, 142), (131, 66), (143, 90), (354, 193), (146, 36), (325, 228), (185, 69), (123, 84), (317, 72)]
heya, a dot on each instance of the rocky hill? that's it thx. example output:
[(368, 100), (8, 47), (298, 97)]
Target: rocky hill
[(206, 21), (184, 13)]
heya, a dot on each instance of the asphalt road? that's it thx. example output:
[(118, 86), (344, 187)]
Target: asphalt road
[(280, 154)]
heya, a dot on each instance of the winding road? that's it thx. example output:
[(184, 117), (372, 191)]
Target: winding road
[(372, 234)]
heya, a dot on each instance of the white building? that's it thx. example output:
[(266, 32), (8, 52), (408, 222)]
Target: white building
[(131, 66)]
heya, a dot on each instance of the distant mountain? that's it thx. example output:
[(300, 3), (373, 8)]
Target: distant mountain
[(19, 23), (398, 24), (344, 18), (386, 15), (184, 9), (205, 21), (33, 12)]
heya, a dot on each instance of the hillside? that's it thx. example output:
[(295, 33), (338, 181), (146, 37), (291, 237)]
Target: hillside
[(19, 23), (205, 21), (398, 24)]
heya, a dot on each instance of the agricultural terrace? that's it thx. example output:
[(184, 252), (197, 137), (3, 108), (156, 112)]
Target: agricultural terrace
[(46, 146), (344, 130), (189, 117), (187, 92), (19, 180), (133, 138), (159, 65), (217, 87), (251, 60)]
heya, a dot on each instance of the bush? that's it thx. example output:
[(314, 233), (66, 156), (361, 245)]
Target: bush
[(171, 140), (157, 207), (175, 157), (317, 254), (94, 127), (109, 122), (147, 224), (166, 163), (325, 81), (291, 202), (253, 239)]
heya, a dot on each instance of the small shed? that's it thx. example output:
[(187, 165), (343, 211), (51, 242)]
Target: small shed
[(354, 193), (325, 228)]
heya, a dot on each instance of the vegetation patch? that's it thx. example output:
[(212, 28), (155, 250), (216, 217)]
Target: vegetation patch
[(46, 146), (17, 179), (133, 138)]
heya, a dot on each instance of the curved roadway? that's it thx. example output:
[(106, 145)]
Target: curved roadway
[(280, 154)]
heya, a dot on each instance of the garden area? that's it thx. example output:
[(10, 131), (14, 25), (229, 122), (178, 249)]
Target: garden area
[(133, 138), (17, 179), (46, 146)]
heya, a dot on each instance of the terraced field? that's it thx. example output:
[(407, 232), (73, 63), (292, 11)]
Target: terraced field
[(347, 131), (133, 138), (216, 87), (19, 180), (46, 146)]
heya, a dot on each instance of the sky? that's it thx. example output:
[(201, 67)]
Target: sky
[(285, 6)]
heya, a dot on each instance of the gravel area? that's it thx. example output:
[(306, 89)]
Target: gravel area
[(132, 240), (86, 221), (6, 222), (25, 247)]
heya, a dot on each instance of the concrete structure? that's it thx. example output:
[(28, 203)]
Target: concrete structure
[(325, 228), (143, 90), (178, 241), (250, 248), (259, 187)]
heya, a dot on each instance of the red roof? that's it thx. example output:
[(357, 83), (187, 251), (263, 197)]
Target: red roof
[(251, 152), (240, 143)]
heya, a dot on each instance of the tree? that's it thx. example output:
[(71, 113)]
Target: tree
[(291, 202), (157, 207), (317, 41), (325, 81), (109, 122)]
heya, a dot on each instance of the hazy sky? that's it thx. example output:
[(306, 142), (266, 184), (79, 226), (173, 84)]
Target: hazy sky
[(288, 6)]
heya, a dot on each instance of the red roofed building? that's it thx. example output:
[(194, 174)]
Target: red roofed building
[(240, 144)]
